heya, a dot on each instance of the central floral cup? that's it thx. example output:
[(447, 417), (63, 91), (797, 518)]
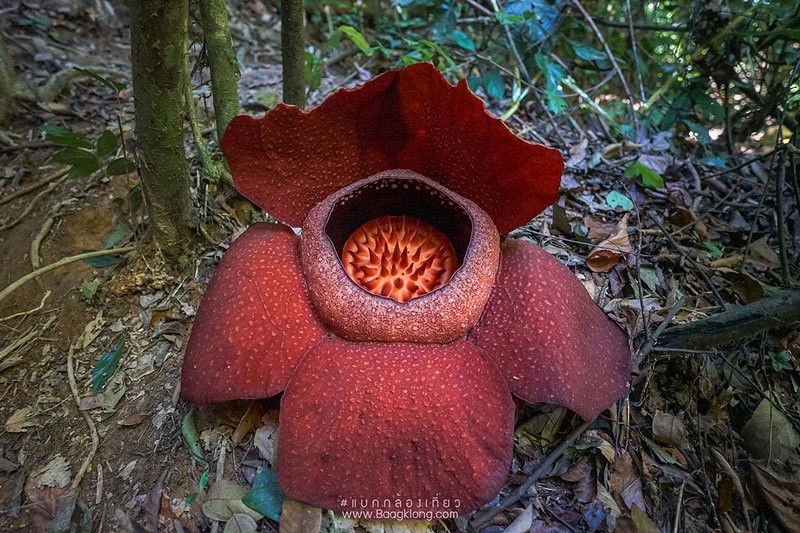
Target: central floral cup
[(398, 257)]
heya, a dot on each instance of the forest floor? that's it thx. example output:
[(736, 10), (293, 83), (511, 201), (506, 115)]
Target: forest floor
[(695, 445)]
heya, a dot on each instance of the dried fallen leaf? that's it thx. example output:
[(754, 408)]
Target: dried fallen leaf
[(406, 526), (582, 474), (20, 420), (224, 499), (769, 435), (577, 153), (642, 521), (607, 253), (781, 494), (132, 420), (299, 517), (669, 429), (240, 523), (762, 256), (522, 523), (93, 329), (250, 420), (626, 483), (11, 493)]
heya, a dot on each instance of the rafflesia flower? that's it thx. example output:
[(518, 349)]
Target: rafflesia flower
[(401, 321)]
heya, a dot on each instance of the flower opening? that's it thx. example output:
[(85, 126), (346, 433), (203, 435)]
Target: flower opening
[(399, 257)]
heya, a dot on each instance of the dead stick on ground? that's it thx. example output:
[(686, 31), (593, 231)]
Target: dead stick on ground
[(30, 205), (58, 264), (89, 422), (29, 311), (691, 261), (537, 474), (736, 323), (647, 347), (31, 188), (36, 261)]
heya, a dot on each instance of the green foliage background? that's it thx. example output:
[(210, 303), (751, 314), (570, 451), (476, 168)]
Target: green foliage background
[(714, 72)]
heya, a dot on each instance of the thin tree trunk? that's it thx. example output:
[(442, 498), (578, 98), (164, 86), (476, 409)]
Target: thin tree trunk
[(222, 61), (8, 80), (157, 36), (293, 53)]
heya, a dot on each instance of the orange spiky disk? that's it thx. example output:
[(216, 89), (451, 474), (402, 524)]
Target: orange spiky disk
[(399, 257)]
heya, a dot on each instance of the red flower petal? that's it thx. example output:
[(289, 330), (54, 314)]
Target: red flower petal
[(291, 159), (363, 423), (254, 323), (550, 340)]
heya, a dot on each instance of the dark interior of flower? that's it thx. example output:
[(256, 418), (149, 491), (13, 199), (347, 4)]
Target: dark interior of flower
[(399, 257), (399, 238)]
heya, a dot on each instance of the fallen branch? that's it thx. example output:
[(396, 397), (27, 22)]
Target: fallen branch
[(89, 422), (735, 323), (61, 262), (33, 187), (544, 468)]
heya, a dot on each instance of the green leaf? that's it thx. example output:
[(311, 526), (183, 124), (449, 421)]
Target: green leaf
[(313, 71), (202, 485), (190, 436), (506, 19), (102, 261), (495, 86), (616, 199), (113, 85), (265, 496), (135, 199), (781, 360), (120, 166), (89, 288), (649, 177), (553, 74), (105, 367), (463, 40), (714, 248), (72, 156), (119, 232), (106, 144), (65, 137), (357, 39), (588, 53)]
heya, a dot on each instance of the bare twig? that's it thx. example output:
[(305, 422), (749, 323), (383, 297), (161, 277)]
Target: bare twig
[(612, 60), (526, 75), (36, 261), (29, 311), (635, 51), (58, 264), (691, 261), (543, 468), (783, 251), (26, 146), (30, 205), (647, 347), (89, 422), (33, 187)]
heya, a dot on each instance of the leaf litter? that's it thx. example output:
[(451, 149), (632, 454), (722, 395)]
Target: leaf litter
[(640, 471)]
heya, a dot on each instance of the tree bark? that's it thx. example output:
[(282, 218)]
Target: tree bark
[(736, 323), (157, 36), (8, 81), (293, 52), (222, 61)]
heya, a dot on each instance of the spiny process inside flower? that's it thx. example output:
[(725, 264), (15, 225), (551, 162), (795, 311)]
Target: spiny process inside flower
[(399, 257)]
